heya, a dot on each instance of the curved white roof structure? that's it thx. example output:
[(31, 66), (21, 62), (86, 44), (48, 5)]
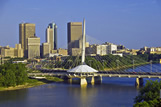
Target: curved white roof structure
[(82, 69)]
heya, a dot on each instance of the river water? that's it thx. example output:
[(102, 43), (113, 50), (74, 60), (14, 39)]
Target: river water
[(113, 92)]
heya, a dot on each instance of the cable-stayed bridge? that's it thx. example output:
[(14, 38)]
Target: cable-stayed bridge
[(120, 74), (102, 66)]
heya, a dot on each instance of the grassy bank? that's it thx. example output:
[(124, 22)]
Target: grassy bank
[(32, 83)]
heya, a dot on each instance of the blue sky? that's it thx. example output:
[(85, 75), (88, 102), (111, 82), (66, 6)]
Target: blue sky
[(133, 23)]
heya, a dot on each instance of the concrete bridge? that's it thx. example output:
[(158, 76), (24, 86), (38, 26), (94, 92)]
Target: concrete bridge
[(97, 77)]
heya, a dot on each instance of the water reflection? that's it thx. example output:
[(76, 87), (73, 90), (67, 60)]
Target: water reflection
[(113, 92), (13, 96)]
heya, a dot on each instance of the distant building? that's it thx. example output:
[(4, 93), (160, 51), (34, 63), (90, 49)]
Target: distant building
[(111, 48), (120, 47), (101, 49), (26, 30), (16, 52), (151, 50), (53, 55), (54, 51), (51, 36), (119, 54), (91, 50), (33, 47), (19, 52), (62, 52), (127, 52), (74, 30), (87, 44), (155, 50), (59, 52), (45, 49), (104, 49), (76, 51)]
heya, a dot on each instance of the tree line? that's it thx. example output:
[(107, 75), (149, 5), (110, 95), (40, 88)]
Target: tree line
[(12, 74), (148, 57)]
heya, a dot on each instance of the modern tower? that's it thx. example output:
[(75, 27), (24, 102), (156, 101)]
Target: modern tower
[(26, 30), (51, 36), (74, 35)]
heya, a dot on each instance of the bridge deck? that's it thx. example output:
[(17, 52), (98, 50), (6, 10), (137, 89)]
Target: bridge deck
[(100, 73)]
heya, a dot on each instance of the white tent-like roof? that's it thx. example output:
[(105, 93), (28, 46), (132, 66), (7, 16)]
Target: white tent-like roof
[(82, 69)]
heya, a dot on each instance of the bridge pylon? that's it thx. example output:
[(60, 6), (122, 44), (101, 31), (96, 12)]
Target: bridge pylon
[(83, 81), (98, 79), (92, 80), (139, 82)]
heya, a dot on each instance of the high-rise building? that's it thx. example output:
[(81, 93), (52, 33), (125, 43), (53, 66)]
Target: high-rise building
[(45, 49), (51, 36), (26, 30), (33, 47), (74, 36)]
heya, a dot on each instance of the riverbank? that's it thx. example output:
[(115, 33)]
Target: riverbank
[(32, 83)]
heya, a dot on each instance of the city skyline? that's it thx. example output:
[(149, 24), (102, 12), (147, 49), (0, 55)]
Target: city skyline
[(131, 23)]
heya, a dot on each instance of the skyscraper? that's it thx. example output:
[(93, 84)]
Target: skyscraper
[(51, 36), (33, 47), (74, 36), (26, 30)]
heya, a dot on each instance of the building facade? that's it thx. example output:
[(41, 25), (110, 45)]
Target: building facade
[(26, 30), (45, 49), (62, 52), (16, 52), (51, 36), (74, 31), (101, 49), (33, 47), (111, 48)]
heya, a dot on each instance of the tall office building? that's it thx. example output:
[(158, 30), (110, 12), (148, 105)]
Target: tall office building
[(74, 36), (33, 47), (26, 30), (45, 49), (51, 36)]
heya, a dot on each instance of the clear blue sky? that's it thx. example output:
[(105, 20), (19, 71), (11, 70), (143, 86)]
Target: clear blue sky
[(133, 23)]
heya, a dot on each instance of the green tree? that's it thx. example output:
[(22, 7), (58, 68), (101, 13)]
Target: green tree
[(142, 104), (12, 74), (149, 95)]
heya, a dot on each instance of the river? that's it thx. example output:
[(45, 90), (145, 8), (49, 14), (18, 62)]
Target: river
[(113, 92)]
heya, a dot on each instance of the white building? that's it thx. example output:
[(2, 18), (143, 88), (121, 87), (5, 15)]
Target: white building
[(101, 49), (111, 48)]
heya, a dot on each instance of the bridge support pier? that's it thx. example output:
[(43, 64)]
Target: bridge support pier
[(70, 80), (83, 81), (139, 82), (98, 79), (92, 80)]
